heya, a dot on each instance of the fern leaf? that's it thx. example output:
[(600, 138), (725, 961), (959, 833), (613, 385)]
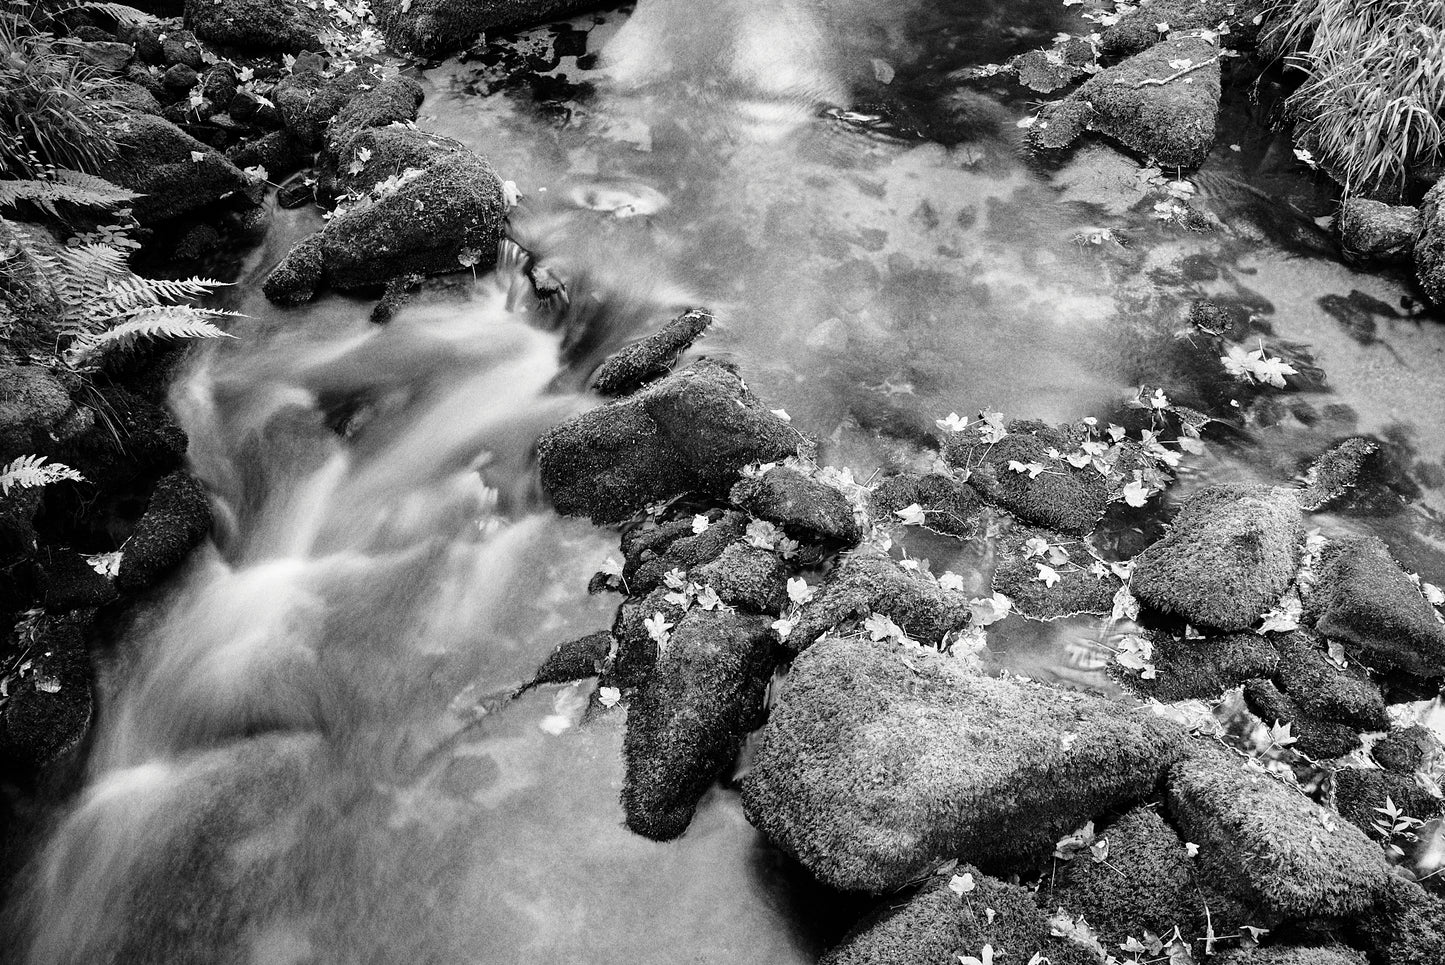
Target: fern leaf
[(29, 472), (137, 292), (163, 321), (93, 192)]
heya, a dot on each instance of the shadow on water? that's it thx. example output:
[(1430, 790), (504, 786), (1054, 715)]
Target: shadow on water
[(303, 755)]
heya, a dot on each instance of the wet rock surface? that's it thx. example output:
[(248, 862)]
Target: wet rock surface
[(175, 173), (868, 581), (176, 521), (1065, 498), (948, 506), (629, 368), (805, 508), (1372, 232), (1429, 251), (876, 764)]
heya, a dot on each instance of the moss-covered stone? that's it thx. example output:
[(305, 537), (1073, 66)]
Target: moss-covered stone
[(1229, 555), (938, 925), (1374, 233), (175, 173), (1323, 688), (1318, 736), (265, 26), (1075, 587), (691, 432), (1138, 29), (1064, 498), (1268, 844), (869, 581), (35, 405), (1173, 122), (176, 521), (748, 577), (1330, 954), (434, 27), (1335, 473), (689, 719), (49, 709), (1406, 928), (1203, 668), (651, 551), (651, 357), (68, 582), (637, 651), (1360, 792), (299, 276), (804, 507), (575, 660), (1367, 602), (1429, 251), (391, 151), (1407, 750), (875, 765), (307, 100), (949, 506)]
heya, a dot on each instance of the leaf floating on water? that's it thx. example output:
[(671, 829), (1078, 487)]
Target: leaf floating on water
[(883, 71)]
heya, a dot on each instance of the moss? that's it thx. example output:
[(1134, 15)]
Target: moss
[(1066, 498), (1335, 473), (1171, 123), (651, 551), (1268, 844), (649, 358), (1059, 124), (1429, 250), (68, 582), (34, 402), (690, 432), (1331, 954), (37, 725), (868, 581), (574, 660), (1149, 884), (937, 926), (434, 27), (689, 719), (1366, 601), (1374, 233), (392, 150), (748, 577), (1324, 689), (176, 521), (805, 508), (1319, 737), (1204, 668), (1407, 750), (1407, 928), (1138, 29), (395, 100), (949, 506), (1229, 554), (636, 652), (175, 173), (307, 101), (874, 768), (298, 276), (265, 26), (1077, 590), (1358, 792)]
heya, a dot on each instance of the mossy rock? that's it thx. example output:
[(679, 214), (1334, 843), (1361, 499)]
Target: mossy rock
[(869, 581), (264, 26), (651, 357), (1077, 589), (651, 551), (49, 709), (1406, 928), (574, 660), (1138, 30), (949, 506), (748, 577), (1360, 792), (1407, 750), (436, 27), (1335, 473), (176, 521), (878, 764), (1429, 249), (805, 508), (1375, 233), (1229, 555), (1330, 954), (175, 174), (1203, 668)]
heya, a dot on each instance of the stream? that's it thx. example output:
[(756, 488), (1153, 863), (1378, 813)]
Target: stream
[(306, 748)]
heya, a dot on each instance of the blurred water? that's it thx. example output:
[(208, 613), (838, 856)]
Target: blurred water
[(307, 755)]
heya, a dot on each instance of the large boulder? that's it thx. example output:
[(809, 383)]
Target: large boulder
[(1430, 244), (868, 581), (174, 173), (176, 521), (689, 719), (805, 508), (424, 226), (434, 27), (941, 925), (1150, 106), (877, 765), (1407, 927), (263, 26), (35, 410), (1229, 555), (691, 432), (1374, 233), (652, 357), (1367, 602), (389, 151), (308, 99), (1361, 793), (1268, 844)]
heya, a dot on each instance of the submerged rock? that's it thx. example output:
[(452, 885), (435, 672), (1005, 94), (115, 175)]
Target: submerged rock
[(877, 765), (938, 925), (1229, 555), (1373, 233), (689, 719), (176, 521), (691, 432), (1335, 473), (265, 26), (1148, 105), (1270, 845), (652, 357), (869, 581), (805, 508), (1065, 498), (1043, 589), (949, 506), (1407, 927), (174, 173), (1367, 602), (1429, 251)]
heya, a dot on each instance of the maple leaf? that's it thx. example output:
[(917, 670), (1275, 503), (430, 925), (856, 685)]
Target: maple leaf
[(1035, 546), (882, 627), (984, 957), (1032, 468), (911, 515), (784, 626), (992, 429), (799, 591), (989, 609), (782, 414), (961, 884), (1271, 370), (954, 423), (950, 581), (699, 524), (657, 627), (762, 534), (1136, 493), (1281, 735), (1047, 575), (708, 599), (608, 696)]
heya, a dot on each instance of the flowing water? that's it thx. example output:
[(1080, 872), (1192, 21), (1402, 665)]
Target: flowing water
[(306, 751)]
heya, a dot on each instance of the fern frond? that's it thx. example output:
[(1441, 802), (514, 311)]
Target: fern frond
[(29, 472), (137, 292), (33, 262), (96, 193), (156, 321)]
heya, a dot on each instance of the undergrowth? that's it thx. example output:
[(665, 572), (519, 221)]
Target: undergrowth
[(1373, 105)]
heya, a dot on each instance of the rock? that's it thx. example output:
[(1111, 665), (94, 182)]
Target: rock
[(1360, 792), (17, 523), (1059, 124), (1407, 750), (1429, 249), (136, 443), (1367, 602), (1331, 954), (276, 151), (175, 173), (180, 77), (392, 151), (868, 581), (307, 101), (68, 582), (949, 506), (35, 407), (1046, 71), (180, 46), (394, 100), (1172, 123), (1149, 884), (176, 521), (1067, 499), (1323, 689), (137, 98), (689, 719), (693, 431), (422, 227), (434, 27), (1270, 845), (807, 510), (938, 925), (1373, 233), (1202, 669), (652, 357), (1138, 29), (637, 651), (748, 577), (575, 660), (651, 551), (1075, 589), (1229, 555), (1407, 928), (876, 765), (263, 26), (49, 709), (107, 56), (218, 85), (1319, 737), (1335, 473)]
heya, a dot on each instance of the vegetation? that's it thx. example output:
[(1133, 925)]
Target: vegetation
[(1373, 106)]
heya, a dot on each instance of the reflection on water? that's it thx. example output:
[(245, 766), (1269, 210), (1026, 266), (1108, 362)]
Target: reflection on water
[(308, 754)]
